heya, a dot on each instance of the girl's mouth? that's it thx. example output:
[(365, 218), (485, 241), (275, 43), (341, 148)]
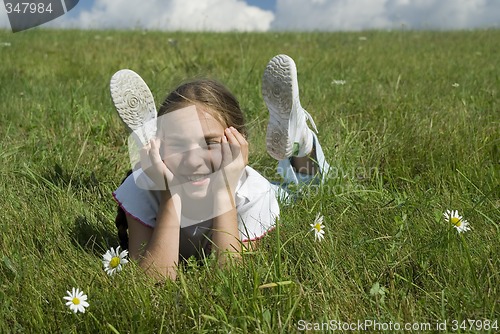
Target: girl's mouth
[(199, 179)]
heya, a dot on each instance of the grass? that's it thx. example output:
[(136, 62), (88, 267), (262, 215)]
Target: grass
[(404, 142)]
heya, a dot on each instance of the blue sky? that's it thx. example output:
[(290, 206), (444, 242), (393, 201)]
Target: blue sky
[(264, 4), (268, 15)]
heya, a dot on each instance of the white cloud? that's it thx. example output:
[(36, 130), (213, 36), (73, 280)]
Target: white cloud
[(192, 15), (385, 14)]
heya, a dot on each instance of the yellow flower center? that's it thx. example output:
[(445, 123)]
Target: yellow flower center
[(455, 221), (76, 301), (114, 262), (317, 226)]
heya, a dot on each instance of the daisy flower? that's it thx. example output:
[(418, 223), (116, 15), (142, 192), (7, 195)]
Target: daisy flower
[(113, 260), (458, 222), (318, 227), (77, 301)]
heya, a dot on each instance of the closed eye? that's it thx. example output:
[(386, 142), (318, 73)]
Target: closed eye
[(213, 145)]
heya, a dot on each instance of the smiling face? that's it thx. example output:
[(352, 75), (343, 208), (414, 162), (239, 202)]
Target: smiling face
[(191, 148)]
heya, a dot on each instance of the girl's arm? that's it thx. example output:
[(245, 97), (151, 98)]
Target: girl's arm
[(226, 236), (157, 250), (234, 159)]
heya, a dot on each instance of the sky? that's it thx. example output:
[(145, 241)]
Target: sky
[(272, 15)]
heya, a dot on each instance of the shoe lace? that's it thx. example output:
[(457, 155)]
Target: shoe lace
[(310, 119)]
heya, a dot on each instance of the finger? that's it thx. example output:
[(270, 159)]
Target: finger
[(243, 143), (234, 143), (227, 155), (148, 168), (144, 156), (239, 137), (162, 174), (154, 152)]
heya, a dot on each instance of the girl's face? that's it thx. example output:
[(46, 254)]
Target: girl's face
[(191, 148)]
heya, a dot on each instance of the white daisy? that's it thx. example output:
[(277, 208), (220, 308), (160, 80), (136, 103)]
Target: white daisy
[(113, 260), (77, 301), (456, 85), (318, 227), (458, 222)]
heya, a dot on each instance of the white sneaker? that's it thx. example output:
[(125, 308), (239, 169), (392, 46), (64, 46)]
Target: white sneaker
[(134, 103), (287, 132)]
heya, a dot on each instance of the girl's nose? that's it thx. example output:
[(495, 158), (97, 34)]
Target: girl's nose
[(194, 159)]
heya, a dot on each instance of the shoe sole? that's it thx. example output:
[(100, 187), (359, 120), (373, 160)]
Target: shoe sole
[(280, 93), (134, 103)]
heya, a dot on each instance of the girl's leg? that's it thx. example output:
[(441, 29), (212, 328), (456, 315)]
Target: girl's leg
[(304, 170), (289, 139)]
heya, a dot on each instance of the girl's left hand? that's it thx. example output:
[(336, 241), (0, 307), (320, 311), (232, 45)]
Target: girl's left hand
[(237, 145), (234, 159)]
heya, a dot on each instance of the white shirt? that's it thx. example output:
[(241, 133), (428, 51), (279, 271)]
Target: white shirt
[(256, 205)]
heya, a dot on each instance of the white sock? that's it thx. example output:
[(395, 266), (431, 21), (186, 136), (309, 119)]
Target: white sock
[(306, 143)]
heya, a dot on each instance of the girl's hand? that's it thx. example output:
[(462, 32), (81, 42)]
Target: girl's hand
[(234, 148), (153, 165)]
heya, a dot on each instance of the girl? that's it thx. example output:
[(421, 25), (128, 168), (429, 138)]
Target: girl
[(192, 191)]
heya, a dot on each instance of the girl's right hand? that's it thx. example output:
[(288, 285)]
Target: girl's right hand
[(154, 166)]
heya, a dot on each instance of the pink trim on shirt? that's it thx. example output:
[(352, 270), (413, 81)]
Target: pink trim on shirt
[(131, 215), (262, 236)]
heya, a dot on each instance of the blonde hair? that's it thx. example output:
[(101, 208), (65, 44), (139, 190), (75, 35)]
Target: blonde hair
[(212, 95)]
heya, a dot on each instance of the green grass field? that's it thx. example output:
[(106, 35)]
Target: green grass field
[(414, 131)]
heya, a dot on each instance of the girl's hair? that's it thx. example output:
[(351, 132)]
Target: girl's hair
[(212, 95), (217, 100), (121, 222)]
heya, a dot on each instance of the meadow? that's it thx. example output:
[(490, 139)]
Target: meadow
[(409, 121)]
